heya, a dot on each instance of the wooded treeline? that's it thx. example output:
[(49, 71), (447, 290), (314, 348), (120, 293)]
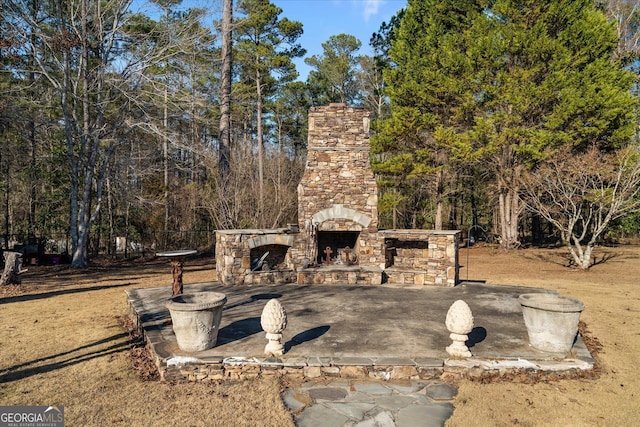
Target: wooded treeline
[(110, 118)]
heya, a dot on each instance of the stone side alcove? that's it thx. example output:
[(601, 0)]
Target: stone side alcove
[(237, 251)]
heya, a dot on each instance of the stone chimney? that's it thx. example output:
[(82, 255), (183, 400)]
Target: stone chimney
[(338, 183)]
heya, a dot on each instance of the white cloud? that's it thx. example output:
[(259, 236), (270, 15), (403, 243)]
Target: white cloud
[(371, 8)]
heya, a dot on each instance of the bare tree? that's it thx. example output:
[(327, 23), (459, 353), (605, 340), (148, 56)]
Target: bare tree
[(581, 195), (371, 84), (72, 45), (101, 60), (76, 62), (282, 173), (626, 14)]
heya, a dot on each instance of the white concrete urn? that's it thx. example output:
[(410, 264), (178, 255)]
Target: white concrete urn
[(551, 321), (196, 319), (274, 321), (459, 322)]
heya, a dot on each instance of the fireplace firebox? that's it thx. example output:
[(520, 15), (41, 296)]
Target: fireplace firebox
[(337, 248)]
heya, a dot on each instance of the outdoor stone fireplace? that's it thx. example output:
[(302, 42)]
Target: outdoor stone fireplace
[(336, 240)]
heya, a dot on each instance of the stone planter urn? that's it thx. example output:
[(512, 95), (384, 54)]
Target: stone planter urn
[(196, 319), (551, 321)]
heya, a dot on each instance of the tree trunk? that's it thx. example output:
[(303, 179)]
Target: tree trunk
[(260, 144), (474, 210), (32, 139), (586, 259), (111, 248), (87, 169), (438, 222), (439, 191), (509, 203), (225, 106), (74, 162), (395, 209), (31, 227), (12, 267), (581, 256), (81, 171), (7, 203), (165, 157)]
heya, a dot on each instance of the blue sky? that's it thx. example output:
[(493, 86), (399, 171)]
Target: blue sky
[(321, 19)]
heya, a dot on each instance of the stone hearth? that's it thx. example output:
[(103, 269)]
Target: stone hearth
[(336, 240)]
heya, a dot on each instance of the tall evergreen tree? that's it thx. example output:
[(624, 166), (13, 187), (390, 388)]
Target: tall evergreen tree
[(224, 129), (502, 85), (426, 90), (334, 78)]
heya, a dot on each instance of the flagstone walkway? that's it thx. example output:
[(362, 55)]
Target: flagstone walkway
[(371, 404)]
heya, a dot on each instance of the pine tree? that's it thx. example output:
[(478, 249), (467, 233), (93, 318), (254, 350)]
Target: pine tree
[(334, 77), (224, 128), (427, 95), (501, 86)]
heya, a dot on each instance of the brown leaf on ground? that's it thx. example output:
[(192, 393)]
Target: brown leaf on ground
[(11, 290), (139, 354), (593, 344)]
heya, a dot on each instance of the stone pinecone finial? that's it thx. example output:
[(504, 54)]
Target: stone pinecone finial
[(274, 321), (459, 322)]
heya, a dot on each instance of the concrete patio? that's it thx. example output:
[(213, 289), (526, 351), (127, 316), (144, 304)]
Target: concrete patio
[(378, 331)]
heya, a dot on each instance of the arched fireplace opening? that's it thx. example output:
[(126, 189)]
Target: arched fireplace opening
[(337, 248)]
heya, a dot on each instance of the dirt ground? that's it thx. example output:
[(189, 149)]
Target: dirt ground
[(62, 343)]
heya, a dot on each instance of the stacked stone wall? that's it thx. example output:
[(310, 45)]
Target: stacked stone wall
[(338, 169), (301, 368)]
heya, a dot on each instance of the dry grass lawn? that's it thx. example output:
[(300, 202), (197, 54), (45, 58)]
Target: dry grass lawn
[(61, 343), (611, 293)]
